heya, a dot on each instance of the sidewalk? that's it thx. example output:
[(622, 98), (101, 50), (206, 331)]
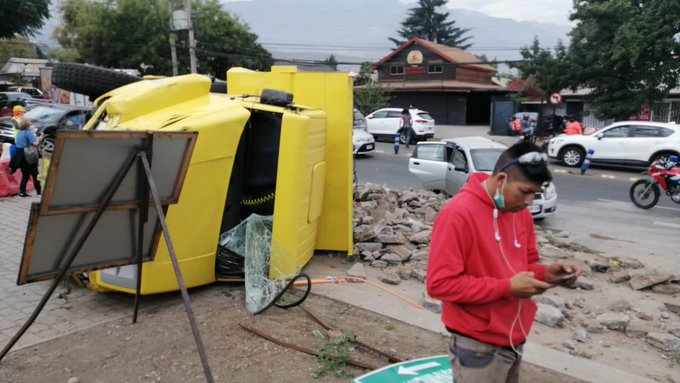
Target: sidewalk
[(64, 312)]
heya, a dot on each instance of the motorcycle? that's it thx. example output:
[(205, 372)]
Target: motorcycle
[(661, 175)]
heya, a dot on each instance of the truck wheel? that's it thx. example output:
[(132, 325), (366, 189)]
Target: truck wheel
[(89, 80)]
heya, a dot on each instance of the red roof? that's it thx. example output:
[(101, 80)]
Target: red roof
[(451, 54)]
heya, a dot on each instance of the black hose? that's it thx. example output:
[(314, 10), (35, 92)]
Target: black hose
[(286, 288)]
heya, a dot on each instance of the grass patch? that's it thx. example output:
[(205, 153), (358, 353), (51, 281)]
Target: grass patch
[(673, 358), (334, 356)]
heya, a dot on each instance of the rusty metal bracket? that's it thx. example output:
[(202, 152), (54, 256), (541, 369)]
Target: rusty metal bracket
[(390, 358), (305, 350)]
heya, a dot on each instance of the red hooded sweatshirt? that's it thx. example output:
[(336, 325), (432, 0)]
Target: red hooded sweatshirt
[(467, 271)]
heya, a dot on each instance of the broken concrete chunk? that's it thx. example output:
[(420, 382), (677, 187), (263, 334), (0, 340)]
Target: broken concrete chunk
[(667, 288), (432, 304), (357, 271), (379, 264), (421, 255), (673, 306), (643, 281), (639, 330), (548, 315), (630, 263), (592, 325), (368, 246), (421, 237), (552, 300), (614, 321), (391, 259), (393, 239), (664, 341), (584, 283), (419, 275), (365, 233), (620, 306), (402, 251), (620, 277), (390, 277), (580, 335), (404, 272)]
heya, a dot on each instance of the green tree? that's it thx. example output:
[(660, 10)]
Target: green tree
[(627, 51), (128, 33), (547, 70), (22, 17), (370, 97), (426, 21), (331, 62), (17, 47)]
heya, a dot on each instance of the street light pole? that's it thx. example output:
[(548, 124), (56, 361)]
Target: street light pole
[(192, 42)]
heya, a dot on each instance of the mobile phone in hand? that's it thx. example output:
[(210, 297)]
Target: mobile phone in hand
[(562, 279)]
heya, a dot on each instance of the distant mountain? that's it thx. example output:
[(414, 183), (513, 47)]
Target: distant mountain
[(358, 30)]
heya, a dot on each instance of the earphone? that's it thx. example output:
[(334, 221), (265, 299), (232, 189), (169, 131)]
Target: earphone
[(497, 234)]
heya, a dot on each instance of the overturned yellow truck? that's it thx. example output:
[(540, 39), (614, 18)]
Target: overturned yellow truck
[(256, 152)]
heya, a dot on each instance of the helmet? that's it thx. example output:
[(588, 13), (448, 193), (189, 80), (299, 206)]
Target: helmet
[(18, 108)]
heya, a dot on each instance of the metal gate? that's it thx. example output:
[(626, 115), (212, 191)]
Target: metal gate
[(501, 112)]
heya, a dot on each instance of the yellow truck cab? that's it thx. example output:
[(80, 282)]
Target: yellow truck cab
[(256, 152)]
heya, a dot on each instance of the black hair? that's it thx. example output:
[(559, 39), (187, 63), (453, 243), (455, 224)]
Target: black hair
[(538, 173), (405, 111)]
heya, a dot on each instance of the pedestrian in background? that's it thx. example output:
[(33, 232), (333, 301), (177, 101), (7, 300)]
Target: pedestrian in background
[(406, 126), (22, 159), (483, 266), (573, 127)]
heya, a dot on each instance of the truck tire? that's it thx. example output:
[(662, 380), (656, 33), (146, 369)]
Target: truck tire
[(89, 80)]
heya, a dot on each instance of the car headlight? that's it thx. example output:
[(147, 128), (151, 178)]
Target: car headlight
[(550, 191), (556, 141)]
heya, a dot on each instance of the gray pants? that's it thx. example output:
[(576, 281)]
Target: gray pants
[(474, 361)]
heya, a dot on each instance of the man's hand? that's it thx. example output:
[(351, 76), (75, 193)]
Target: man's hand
[(524, 285), (558, 269)]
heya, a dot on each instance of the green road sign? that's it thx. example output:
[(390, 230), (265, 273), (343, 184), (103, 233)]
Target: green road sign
[(433, 369)]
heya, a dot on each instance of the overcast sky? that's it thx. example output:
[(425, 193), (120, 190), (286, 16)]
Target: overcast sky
[(547, 11)]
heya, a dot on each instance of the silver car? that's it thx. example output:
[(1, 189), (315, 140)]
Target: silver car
[(446, 165)]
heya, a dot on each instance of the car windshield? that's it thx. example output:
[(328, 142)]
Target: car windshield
[(358, 116), (484, 160), (44, 114)]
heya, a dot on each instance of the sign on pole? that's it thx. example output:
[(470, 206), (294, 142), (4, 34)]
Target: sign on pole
[(433, 369), (555, 98)]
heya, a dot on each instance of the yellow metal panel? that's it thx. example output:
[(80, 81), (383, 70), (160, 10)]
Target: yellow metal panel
[(331, 92), (316, 195)]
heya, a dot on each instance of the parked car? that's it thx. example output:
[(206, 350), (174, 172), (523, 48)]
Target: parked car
[(46, 120), (9, 99), (362, 142), (33, 92), (446, 165), (633, 143), (385, 122)]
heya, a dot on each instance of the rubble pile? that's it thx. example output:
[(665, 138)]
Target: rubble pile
[(392, 230)]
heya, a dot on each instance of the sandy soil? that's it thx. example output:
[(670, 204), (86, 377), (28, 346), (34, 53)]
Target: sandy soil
[(160, 347)]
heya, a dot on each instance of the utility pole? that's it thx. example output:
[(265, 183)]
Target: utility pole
[(173, 53), (173, 40), (192, 42)]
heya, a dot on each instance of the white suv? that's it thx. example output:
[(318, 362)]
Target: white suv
[(385, 122), (634, 143)]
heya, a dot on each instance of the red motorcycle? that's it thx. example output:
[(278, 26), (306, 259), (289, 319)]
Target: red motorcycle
[(661, 175)]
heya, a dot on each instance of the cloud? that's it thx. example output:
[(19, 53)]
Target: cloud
[(545, 11)]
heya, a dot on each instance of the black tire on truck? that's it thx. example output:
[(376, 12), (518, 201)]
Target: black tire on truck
[(89, 80)]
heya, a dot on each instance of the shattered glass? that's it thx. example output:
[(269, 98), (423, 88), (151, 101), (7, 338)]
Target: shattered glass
[(259, 246), (231, 251)]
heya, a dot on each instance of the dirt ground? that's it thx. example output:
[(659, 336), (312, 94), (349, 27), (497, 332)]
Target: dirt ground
[(161, 348)]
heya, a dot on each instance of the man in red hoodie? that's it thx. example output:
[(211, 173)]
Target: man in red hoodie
[(483, 266)]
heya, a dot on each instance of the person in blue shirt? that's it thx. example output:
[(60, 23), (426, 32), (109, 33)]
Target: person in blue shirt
[(24, 139)]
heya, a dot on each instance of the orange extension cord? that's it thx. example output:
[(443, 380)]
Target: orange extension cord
[(337, 280)]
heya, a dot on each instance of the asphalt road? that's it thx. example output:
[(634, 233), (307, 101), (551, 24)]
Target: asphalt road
[(594, 208)]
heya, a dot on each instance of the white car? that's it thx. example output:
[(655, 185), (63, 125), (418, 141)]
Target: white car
[(635, 143), (362, 141), (446, 165), (386, 121)]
